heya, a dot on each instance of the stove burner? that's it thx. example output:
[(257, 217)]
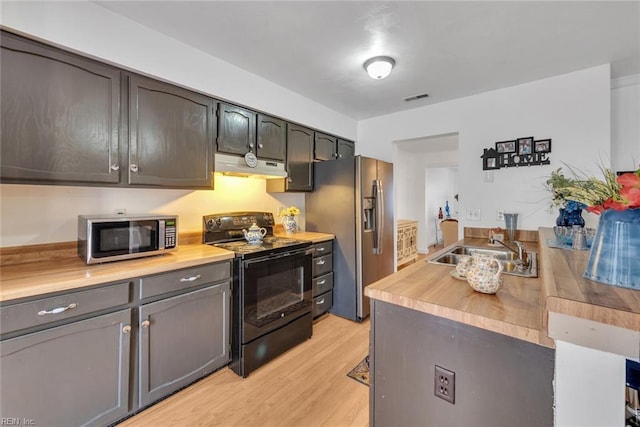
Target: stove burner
[(225, 230)]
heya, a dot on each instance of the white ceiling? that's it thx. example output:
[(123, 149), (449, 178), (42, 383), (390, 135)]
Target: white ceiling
[(446, 49)]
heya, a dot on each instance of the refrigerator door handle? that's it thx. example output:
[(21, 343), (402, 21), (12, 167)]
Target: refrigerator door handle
[(380, 217)]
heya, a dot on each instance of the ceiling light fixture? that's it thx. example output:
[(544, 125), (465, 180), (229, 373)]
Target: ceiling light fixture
[(379, 67)]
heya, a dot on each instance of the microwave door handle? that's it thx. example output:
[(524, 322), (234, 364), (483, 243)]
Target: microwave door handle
[(380, 215)]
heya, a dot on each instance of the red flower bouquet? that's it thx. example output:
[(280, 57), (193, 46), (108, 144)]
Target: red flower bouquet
[(618, 193)]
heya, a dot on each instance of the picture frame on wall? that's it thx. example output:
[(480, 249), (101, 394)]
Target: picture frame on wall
[(525, 145), (506, 146), (542, 146)]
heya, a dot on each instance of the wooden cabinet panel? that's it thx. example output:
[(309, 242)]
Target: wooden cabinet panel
[(236, 130), (322, 277), (272, 138), (182, 339), (171, 134), (76, 374), (60, 115), (299, 158), (325, 147), (345, 149), (407, 241)]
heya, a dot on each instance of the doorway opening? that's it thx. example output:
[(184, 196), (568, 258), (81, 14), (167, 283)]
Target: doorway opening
[(426, 181)]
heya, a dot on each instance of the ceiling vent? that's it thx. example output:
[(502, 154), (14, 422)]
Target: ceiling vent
[(416, 97)]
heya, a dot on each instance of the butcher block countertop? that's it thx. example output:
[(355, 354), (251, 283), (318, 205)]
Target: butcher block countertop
[(43, 277), (568, 292), (520, 308), (310, 236), (515, 310)]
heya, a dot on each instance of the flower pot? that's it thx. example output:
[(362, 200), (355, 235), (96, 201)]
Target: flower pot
[(289, 224), (569, 218), (615, 250)]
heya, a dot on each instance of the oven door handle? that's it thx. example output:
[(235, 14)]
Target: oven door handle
[(297, 253)]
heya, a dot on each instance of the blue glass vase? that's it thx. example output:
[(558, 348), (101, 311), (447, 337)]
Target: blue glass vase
[(615, 250), (570, 217)]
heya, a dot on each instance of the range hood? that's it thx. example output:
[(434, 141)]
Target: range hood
[(229, 165)]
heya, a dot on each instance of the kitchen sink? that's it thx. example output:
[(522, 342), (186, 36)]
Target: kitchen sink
[(508, 259)]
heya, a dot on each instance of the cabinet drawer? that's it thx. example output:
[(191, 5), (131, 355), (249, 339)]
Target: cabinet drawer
[(322, 265), (323, 248), (322, 284), (322, 303), (183, 279), (46, 310)]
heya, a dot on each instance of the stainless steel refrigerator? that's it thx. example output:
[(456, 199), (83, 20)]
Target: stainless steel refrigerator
[(353, 199)]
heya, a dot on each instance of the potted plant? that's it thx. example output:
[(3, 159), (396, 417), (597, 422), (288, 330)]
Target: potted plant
[(289, 219), (615, 250), (570, 210)]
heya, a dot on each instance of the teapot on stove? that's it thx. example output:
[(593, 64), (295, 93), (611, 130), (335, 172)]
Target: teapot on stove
[(255, 234)]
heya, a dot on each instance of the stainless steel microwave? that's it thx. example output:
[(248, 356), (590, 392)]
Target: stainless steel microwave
[(113, 238)]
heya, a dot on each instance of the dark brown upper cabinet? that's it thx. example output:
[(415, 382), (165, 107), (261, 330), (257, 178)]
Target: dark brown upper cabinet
[(59, 116), (236, 130), (299, 162), (345, 149), (171, 135), (325, 147), (272, 138)]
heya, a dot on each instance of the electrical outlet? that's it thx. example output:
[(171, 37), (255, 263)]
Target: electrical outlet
[(444, 384), (500, 215), (473, 214)]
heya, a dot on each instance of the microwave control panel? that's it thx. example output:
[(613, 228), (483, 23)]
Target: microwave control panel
[(170, 231)]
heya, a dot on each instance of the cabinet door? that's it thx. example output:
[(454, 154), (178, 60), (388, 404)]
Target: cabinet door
[(182, 339), (299, 158), (170, 135), (345, 149), (76, 374), (272, 138), (60, 115), (325, 147), (236, 130)]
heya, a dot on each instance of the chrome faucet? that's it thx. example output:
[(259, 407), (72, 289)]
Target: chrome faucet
[(523, 256)]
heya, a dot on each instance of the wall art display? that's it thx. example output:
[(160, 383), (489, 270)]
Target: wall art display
[(524, 151), (542, 146), (506, 146), (525, 145)]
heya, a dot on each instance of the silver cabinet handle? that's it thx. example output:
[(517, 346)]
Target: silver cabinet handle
[(320, 262), (126, 329), (251, 145), (190, 279), (133, 167), (320, 302), (322, 282), (321, 249), (289, 179), (260, 145), (115, 167), (145, 324), (58, 310)]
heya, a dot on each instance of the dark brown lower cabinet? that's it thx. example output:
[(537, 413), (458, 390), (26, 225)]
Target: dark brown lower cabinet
[(70, 375), (499, 380), (181, 339)]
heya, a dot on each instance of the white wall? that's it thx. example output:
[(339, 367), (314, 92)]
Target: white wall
[(33, 214), (440, 187), (572, 109), (625, 123)]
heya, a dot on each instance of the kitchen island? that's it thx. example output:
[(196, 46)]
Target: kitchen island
[(498, 345)]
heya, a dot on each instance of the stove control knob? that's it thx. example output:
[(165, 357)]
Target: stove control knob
[(210, 223)]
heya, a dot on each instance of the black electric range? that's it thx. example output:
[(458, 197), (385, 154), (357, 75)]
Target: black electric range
[(225, 230), (271, 292)]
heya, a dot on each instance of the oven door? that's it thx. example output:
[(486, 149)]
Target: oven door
[(275, 291)]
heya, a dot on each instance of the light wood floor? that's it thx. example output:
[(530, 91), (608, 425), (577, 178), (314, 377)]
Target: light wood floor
[(307, 386)]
